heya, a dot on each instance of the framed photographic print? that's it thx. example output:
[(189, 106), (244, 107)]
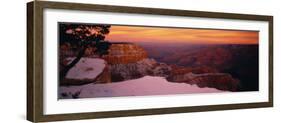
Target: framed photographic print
[(96, 61)]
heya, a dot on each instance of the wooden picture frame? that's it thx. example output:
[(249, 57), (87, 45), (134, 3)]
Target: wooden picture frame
[(35, 46)]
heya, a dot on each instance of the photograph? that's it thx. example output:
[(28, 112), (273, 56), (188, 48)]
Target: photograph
[(106, 60)]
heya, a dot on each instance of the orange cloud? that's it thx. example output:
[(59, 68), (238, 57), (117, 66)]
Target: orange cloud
[(181, 35)]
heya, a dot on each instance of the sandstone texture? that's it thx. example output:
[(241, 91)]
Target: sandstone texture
[(124, 53)]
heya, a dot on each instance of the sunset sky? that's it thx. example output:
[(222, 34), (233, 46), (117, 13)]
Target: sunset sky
[(181, 35)]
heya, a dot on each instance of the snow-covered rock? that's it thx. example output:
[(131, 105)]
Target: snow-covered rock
[(147, 85), (87, 69)]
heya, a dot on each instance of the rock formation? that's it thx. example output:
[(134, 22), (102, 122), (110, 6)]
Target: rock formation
[(124, 53), (221, 81), (121, 72), (105, 76), (126, 61), (87, 70)]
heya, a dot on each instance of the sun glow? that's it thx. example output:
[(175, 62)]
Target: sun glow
[(181, 35)]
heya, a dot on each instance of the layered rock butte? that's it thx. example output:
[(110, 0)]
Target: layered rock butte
[(124, 53)]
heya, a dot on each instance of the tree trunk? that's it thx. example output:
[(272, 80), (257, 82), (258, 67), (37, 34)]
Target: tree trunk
[(64, 71)]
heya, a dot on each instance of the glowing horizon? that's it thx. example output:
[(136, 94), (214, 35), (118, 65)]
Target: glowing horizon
[(181, 35)]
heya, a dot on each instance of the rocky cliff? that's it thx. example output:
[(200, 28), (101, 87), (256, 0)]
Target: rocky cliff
[(121, 72), (204, 77), (127, 61), (221, 81), (124, 53)]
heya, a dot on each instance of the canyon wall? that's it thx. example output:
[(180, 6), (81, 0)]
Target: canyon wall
[(127, 61), (124, 53)]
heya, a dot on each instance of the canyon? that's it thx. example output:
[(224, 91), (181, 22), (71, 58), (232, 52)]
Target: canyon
[(128, 61), (241, 61)]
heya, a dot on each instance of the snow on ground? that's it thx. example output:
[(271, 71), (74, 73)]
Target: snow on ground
[(86, 68), (147, 85)]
